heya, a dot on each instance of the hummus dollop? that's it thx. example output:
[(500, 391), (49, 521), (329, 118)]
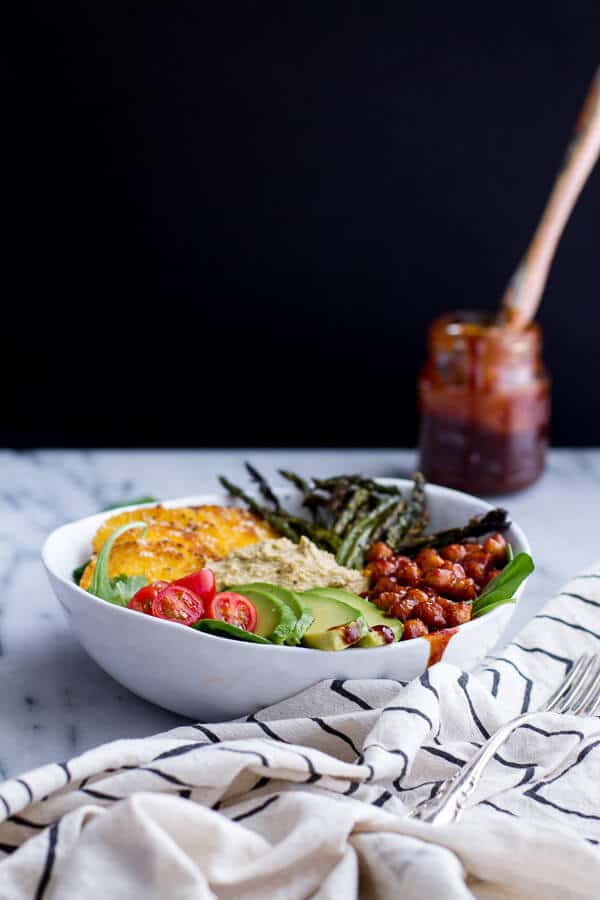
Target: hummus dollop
[(279, 561)]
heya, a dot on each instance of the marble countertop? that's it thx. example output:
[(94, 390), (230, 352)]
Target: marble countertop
[(56, 702)]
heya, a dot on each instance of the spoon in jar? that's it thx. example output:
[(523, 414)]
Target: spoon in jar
[(524, 292)]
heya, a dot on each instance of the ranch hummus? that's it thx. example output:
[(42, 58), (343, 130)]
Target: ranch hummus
[(280, 561)]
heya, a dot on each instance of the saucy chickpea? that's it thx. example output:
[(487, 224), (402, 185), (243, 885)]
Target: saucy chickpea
[(434, 590)]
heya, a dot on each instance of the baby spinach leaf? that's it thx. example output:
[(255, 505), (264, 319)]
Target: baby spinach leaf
[(121, 588), (78, 572), (503, 587)]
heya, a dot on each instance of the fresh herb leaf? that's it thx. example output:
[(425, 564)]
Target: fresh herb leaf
[(482, 611), (504, 586), (121, 588), (78, 572), (125, 586), (137, 501)]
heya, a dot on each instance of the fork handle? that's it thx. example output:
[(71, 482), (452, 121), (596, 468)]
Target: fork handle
[(450, 801)]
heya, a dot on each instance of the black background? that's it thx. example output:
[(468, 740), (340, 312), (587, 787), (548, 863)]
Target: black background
[(230, 225)]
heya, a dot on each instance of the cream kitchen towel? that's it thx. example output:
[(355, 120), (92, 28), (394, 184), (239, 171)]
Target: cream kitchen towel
[(309, 798)]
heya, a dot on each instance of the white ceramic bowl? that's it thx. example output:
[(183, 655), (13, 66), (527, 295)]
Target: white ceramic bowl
[(210, 678)]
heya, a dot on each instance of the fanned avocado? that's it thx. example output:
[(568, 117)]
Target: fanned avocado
[(295, 602), (276, 620), (224, 629), (372, 615), (337, 626)]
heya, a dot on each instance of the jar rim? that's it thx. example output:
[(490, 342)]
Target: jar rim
[(482, 323)]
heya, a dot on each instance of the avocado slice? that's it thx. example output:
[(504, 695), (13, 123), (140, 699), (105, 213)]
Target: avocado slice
[(340, 637), (224, 629), (378, 636), (276, 620), (336, 626), (296, 603), (373, 616)]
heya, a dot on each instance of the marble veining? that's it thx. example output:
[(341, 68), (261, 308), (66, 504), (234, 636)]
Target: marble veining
[(55, 702)]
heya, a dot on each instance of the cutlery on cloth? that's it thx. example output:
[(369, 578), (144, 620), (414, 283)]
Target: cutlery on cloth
[(577, 695)]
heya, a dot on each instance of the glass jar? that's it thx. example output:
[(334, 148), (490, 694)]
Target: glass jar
[(484, 398)]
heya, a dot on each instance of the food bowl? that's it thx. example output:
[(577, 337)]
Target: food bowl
[(210, 678)]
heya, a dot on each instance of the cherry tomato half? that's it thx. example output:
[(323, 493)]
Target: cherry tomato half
[(178, 604), (201, 583), (143, 599), (233, 608)]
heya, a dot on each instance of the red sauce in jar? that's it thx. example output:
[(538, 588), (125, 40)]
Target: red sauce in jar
[(485, 405)]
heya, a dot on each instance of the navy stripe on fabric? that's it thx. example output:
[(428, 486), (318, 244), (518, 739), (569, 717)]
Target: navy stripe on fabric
[(256, 809), (325, 726), (573, 625), (27, 823), (262, 758), (495, 680), (209, 734), (48, 863), (411, 710), (382, 799), (443, 754), (266, 729), (568, 663), (8, 848), (181, 751), (498, 808), (337, 687), (583, 599), (528, 681), (22, 782), (463, 681)]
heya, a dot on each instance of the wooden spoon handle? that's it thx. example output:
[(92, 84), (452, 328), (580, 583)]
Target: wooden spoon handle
[(524, 292)]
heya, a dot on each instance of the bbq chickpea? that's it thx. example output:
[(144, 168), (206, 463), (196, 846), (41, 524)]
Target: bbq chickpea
[(386, 600), (414, 628), (430, 612), (455, 613), (496, 545), (408, 572), (463, 589), (402, 607), (475, 565), (383, 567), (428, 559), (385, 584), (379, 551), (454, 552), (440, 580)]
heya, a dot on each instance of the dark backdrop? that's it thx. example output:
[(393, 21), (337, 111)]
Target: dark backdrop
[(230, 224)]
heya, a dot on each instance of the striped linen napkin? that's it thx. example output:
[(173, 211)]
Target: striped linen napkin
[(308, 798)]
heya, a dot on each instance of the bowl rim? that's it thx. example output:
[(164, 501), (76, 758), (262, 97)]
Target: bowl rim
[(221, 497)]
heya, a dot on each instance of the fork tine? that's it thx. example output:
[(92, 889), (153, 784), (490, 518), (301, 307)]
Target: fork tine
[(586, 696), (569, 702), (566, 684), (594, 705)]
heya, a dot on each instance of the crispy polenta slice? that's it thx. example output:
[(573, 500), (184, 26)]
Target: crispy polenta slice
[(177, 541), (164, 560), (221, 528)]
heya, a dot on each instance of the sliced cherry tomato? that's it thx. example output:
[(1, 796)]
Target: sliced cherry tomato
[(143, 599), (178, 604), (202, 583), (233, 608)]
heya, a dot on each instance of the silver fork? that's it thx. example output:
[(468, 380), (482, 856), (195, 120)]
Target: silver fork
[(578, 694)]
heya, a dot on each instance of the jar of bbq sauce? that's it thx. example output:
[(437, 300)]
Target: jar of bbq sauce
[(484, 398)]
